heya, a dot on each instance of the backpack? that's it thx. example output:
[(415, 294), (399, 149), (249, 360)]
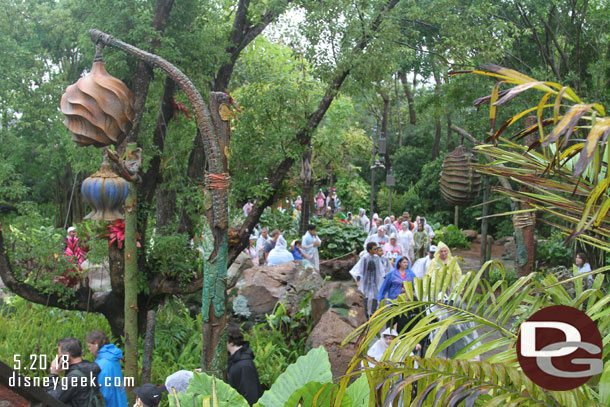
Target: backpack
[(96, 398)]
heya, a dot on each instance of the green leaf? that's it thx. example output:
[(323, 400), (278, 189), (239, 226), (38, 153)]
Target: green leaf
[(359, 392), (201, 386), (314, 366)]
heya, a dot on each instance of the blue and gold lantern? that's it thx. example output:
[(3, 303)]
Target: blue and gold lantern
[(105, 192)]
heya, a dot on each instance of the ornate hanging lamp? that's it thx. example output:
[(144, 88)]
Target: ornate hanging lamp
[(98, 107), (460, 183), (105, 192)]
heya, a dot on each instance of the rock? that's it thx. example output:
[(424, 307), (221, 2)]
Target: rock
[(263, 286), (330, 332), (510, 250), (338, 269), (470, 234), (344, 298), (234, 273), (503, 240), (563, 273)]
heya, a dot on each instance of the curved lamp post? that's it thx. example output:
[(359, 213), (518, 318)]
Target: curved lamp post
[(216, 183)]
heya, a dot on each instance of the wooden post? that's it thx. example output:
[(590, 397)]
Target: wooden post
[(456, 216), (131, 283), (149, 346), (485, 220)]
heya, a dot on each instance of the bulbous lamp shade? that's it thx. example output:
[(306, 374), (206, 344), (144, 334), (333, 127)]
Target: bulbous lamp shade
[(460, 183), (98, 108), (105, 192)]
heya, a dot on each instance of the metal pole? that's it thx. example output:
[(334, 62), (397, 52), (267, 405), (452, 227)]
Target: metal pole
[(390, 203), (373, 166)]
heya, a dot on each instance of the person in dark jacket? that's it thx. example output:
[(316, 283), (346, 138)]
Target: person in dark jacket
[(73, 392), (243, 376), (108, 358)]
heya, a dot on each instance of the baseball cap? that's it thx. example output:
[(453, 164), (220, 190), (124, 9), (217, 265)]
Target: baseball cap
[(149, 394), (432, 249)]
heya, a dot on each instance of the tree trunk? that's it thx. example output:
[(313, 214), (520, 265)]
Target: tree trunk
[(149, 346), (307, 183), (384, 129), (409, 95), (165, 207), (437, 138), (525, 228), (399, 113)]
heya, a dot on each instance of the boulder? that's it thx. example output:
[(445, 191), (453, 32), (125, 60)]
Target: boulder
[(235, 272), (470, 234), (263, 286), (503, 240), (338, 269), (344, 298), (510, 250), (330, 331)]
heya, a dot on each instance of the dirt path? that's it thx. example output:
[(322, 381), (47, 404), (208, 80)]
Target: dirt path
[(472, 258)]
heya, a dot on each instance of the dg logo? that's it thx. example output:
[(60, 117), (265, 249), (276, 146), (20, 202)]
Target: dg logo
[(560, 348)]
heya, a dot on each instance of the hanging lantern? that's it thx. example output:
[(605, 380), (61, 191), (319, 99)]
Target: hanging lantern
[(105, 192), (460, 183), (98, 108)]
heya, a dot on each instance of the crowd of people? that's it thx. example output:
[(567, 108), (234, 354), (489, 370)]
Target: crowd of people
[(101, 383)]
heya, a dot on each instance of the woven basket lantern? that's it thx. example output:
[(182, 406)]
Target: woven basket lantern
[(98, 107), (460, 183)]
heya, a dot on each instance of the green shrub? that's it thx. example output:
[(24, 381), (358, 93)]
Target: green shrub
[(510, 276), (452, 237), (338, 238), (552, 252)]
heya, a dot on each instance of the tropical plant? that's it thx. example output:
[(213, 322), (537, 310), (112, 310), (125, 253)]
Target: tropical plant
[(452, 236), (338, 238), (552, 251), (495, 311), (563, 172)]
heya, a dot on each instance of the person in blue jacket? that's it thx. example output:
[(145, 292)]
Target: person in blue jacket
[(393, 286), (108, 358)]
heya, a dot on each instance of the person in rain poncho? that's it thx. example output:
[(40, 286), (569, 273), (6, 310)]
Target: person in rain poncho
[(428, 229), (393, 286), (377, 350), (421, 265), (369, 273), (453, 330), (443, 257), (392, 250), (261, 242), (320, 202), (405, 238), (379, 238), (310, 243), (363, 221), (279, 254), (374, 225), (389, 227), (421, 241)]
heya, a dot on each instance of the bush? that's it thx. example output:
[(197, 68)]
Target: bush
[(452, 237), (354, 193), (510, 276), (552, 252), (338, 238)]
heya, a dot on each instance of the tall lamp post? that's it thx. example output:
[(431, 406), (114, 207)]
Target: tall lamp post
[(390, 181)]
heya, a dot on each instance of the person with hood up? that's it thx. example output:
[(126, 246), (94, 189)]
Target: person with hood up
[(279, 254), (405, 238), (393, 286), (320, 202), (374, 225), (379, 238), (310, 243), (363, 221), (369, 273), (443, 257), (427, 228), (378, 349), (421, 241), (241, 370), (389, 227), (392, 250), (108, 358), (74, 391)]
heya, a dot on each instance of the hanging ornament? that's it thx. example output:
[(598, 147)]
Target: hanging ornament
[(98, 107), (460, 183), (105, 192)]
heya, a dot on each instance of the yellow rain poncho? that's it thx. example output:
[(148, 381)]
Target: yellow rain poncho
[(450, 261)]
